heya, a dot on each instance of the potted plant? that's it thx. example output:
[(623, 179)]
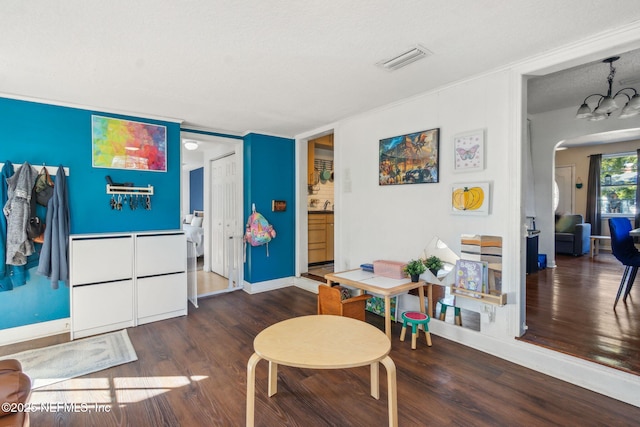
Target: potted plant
[(434, 264), (415, 268)]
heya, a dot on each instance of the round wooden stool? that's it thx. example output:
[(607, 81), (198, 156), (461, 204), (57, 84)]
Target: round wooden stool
[(443, 312), (415, 318)]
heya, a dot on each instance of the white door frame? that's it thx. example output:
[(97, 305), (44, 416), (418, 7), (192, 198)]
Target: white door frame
[(213, 147), (302, 238)]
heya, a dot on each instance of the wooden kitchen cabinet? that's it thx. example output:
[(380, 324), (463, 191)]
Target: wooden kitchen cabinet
[(317, 238), (329, 237), (320, 237)]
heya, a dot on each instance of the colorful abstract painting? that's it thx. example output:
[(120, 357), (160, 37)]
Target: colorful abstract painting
[(125, 144), (410, 158)]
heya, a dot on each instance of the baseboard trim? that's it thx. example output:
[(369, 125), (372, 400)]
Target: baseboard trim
[(268, 285), (34, 331), (309, 285), (592, 376)]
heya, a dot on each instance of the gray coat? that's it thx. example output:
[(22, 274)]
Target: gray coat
[(17, 210), (54, 256)]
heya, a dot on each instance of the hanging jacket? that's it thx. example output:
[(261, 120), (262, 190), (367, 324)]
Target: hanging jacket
[(5, 280), (54, 256), (17, 211)]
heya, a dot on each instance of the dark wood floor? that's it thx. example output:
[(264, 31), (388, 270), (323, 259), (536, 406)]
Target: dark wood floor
[(570, 309), (192, 372)]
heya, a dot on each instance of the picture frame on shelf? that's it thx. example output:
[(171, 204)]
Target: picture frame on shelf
[(412, 158), (469, 151), (471, 198)]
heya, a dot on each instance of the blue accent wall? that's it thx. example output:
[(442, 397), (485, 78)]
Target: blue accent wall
[(196, 190), (269, 174), (54, 135)]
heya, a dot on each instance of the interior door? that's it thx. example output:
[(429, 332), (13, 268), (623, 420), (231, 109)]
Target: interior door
[(566, 190), (224, 209), (192, 274)]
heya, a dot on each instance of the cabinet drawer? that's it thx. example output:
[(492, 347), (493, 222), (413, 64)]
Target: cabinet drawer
[(102, 304), (160, 254), (317, 236), (317, 219), (317, 255), (101, 259), (317, 246), (162, 294)]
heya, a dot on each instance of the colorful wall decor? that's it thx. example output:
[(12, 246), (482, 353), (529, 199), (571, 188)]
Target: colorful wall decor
[(470, 198), (469, 151), (126, 144), (410, 158)]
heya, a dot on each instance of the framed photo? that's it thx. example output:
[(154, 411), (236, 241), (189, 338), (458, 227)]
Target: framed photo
[(469, 150), (410, 158), (125, 144), (471, 198)]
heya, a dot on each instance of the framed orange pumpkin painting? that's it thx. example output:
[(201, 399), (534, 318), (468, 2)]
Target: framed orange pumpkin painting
[(473, 198)]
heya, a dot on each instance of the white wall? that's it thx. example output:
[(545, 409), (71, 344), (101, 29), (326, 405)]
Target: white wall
[(396, 222), (547, 130)]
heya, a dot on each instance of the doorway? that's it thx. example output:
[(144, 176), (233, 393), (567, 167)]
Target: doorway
[(546, 310), (209, 149), (320, 206)]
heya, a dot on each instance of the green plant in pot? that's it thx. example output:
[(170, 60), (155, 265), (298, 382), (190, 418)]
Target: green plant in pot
[(415, 268), (434, 264)]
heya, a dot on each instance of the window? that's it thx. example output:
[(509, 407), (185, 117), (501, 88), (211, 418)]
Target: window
[(618, 182)]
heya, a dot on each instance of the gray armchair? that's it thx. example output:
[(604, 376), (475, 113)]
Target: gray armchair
[(573, 235)]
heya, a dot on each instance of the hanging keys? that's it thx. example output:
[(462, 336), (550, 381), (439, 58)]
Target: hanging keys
[(133, 199)]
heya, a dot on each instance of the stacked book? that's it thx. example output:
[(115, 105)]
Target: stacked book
[(471, 276), (367, 267)]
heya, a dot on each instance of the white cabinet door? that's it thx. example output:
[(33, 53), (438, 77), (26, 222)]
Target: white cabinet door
[(105, 259), (161, 254), (161, 297), (101, 308)]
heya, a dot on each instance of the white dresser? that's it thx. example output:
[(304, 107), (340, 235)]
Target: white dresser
[(120, 280)]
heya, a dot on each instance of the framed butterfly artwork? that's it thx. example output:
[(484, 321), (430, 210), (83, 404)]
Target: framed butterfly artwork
[(469, 151)]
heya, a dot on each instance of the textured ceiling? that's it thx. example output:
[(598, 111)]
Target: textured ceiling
[(569, 88), (277, 67)]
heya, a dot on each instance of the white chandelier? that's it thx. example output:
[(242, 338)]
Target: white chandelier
[(607, 104)]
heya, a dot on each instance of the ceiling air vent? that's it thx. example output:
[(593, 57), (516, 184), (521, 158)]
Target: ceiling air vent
[(405, 58)]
